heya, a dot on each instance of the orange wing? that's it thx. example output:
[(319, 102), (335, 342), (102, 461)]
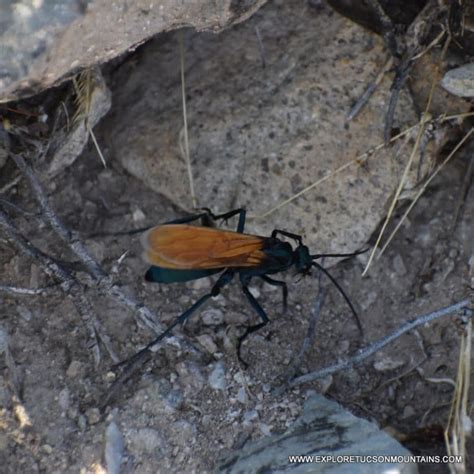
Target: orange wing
[(181, 246)]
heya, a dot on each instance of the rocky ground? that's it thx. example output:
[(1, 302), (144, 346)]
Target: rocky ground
[(186, 413), (194, 404)]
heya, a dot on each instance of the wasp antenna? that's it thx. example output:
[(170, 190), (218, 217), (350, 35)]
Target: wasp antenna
[(348, 301), (323, 255)]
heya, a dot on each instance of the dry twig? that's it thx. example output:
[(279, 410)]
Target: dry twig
[(370, 89), (422, 125), (415, 37), (376, 346), (64, 271), (68, 283), (104, 282)]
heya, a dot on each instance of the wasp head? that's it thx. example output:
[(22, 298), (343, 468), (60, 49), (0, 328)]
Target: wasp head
[(303, 260)]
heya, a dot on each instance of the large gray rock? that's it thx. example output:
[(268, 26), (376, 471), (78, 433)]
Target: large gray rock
[(43, 43), (324, 429), (258, 135)]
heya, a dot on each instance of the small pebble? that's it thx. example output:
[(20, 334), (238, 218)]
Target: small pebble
[(255, 291), (460, 81), (206, 420), (63, 399), (74, 369), (242, 396), (369, 300), (110, 376), (448, 266), (4, 339), (408, 411), (324, 384), (207, 342), (387, 363), (212, 317), (201, 284), (352, 376), (191, 377), (72, 412), (93, 416), (239, 377), (233, 414), (138, 215), (236, 318), (249, 416), (82, 422), (399, 265), (466, 425), (344, 346), (24, 312), (217, 377), (114, 448), (265, 429), (34, 276), (174, 400), (46, 448), (186, 430), (147, 441)]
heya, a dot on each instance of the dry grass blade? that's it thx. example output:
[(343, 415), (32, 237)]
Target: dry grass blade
[(358, 160), (184, 144), (459, 423), (399, 190), (425, 185), (96, 144), (422, 124), (431, 45), (83, 86)]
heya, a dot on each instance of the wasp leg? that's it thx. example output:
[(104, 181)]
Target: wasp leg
[(296, 237), (206, 216), (281, 284), (206, 221), (194, 217), (227, 215), (223, 280), (261, 313)]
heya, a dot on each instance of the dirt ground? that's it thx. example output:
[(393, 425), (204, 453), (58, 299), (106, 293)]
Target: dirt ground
[(179, 418), (188, 410)]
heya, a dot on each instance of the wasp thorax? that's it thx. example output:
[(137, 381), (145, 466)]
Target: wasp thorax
[(302, 259)]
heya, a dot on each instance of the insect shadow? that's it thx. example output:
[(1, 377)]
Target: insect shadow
[(180, 252)]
